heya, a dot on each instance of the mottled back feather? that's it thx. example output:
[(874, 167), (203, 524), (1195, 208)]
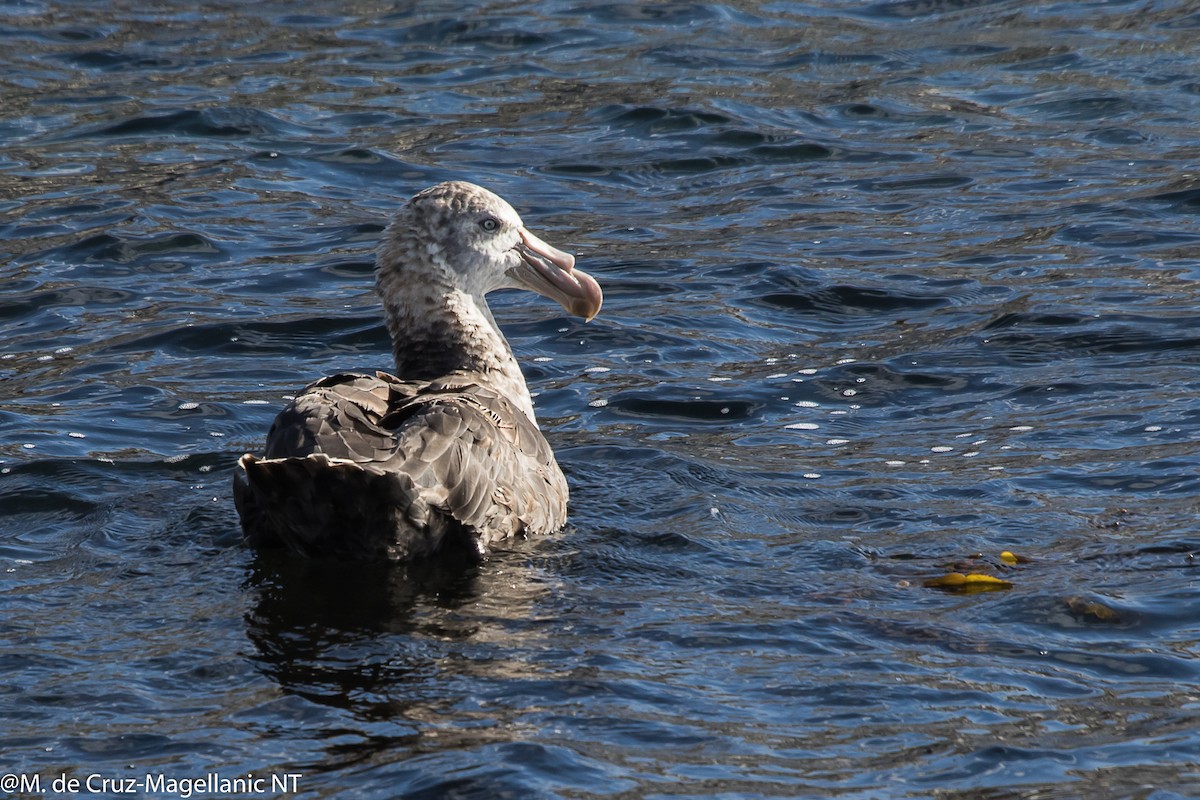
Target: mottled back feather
[(461, 466)]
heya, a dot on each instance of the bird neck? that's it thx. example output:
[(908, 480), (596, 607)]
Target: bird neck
[(445, 330)]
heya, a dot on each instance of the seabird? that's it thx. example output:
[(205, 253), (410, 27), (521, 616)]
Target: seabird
[(445, 455)]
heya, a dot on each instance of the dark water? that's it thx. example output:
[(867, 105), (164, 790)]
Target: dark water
[(891, 289)]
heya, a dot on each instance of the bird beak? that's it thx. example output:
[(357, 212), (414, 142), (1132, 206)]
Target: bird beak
[(551, 273)]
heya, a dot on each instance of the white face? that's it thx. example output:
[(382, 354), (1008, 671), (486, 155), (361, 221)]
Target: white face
[(481, 242), (482, 245)]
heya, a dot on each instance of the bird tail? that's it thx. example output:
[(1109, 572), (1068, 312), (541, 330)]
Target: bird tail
[(331, 507)]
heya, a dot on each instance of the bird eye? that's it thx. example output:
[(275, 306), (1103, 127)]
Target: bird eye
[(489, 224)]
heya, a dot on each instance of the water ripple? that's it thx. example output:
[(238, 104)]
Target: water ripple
[(892, 290)]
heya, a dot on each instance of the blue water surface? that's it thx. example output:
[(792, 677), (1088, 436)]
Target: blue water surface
[(891, 290)]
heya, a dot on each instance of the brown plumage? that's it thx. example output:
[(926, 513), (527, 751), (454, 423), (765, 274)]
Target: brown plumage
[(445, 456)]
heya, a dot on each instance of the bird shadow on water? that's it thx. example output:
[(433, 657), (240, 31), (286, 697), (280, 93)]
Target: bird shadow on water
[(306, 612), (395, 647)]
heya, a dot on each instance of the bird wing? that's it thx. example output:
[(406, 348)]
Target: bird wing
[(469, 452), (339, 416), (481, 459)]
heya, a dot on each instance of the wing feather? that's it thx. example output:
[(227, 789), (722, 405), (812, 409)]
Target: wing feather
[(452, 455)]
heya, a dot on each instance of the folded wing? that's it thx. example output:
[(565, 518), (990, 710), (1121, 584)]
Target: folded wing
[(371, 466)]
